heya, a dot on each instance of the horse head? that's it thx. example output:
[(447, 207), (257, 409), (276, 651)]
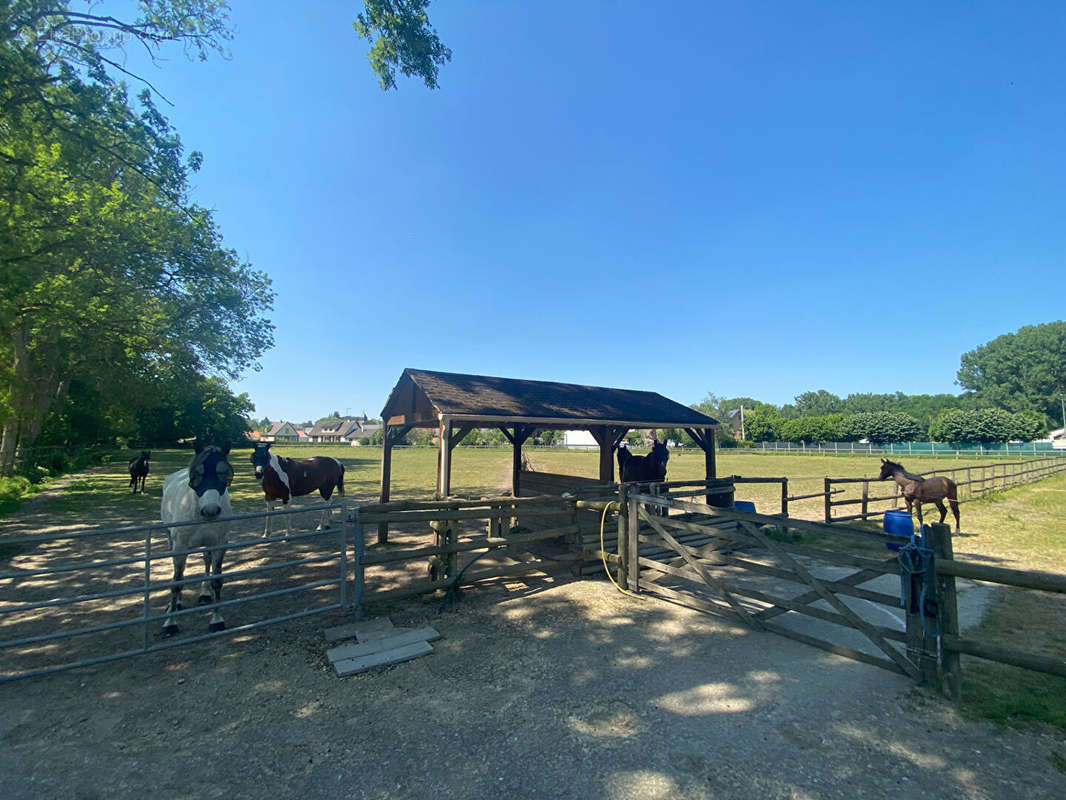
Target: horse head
[(888, 469), (260, 459), (210, 475), (659, 456)]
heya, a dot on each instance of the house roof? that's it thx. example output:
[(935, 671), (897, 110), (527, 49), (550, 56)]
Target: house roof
[(421, 396), (276, 427)]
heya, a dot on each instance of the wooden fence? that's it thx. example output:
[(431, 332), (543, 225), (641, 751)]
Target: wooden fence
[(973, 482)]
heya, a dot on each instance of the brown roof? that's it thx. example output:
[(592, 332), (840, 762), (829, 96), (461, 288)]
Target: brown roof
[(481, 396)]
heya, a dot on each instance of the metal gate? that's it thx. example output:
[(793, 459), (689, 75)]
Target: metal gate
[(86, 597)]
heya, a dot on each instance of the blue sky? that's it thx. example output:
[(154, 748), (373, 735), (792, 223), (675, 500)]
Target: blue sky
[(757, 198)]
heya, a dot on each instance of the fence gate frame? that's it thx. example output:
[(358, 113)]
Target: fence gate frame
[(697, 559)]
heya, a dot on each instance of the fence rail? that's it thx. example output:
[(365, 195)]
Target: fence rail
[(44, 633), (1006, 449), (973, 482)]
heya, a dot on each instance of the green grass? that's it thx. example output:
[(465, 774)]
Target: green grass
[(1020, 528)]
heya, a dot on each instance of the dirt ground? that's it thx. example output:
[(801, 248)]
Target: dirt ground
[(538, 687)]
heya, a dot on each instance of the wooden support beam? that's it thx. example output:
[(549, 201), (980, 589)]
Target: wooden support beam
[(444, 459), (390, 435)]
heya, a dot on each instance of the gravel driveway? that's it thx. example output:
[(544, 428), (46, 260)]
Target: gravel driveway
[(541, 688)]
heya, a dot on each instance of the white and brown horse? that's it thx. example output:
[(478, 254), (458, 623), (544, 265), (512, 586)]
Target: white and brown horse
[(139, 468), (284, 478), (917, 490), (199, 493)]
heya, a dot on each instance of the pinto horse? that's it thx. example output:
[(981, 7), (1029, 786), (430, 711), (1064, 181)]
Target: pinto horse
[(651, 467), (199, 492), (139, 467), (917, 490), (284, 478)]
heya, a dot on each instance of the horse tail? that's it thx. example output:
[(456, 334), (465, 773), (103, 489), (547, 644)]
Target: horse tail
[(340, 479)]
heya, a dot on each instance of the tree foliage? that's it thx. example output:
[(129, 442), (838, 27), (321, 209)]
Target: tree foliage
[(1022, 371), (401, 37), (109, 269), (985, 426)]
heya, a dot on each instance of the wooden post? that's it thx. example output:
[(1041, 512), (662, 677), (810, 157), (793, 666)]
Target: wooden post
[(623, 535), (921, 647), (865, 500), (386, 479), (939, 540), (828, 508), (444, 462), (516, 461), (634, 545), (603, 436), (784, 497)]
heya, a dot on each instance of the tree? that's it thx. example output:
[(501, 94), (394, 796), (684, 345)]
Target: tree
[(762, 425), (107, 266), (1022, 371), (883, 426), (817, 404), (401, 37)]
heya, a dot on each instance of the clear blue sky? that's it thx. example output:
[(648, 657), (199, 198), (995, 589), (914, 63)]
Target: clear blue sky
[(757, 198)]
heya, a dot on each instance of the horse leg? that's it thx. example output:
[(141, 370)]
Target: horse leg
[(169, 626), (205, 588), (942, 509), (918, 510), (217, 623), (955, 510)]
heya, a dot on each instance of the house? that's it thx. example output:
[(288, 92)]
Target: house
[(582, 440), (281, 432), (1058, 438)]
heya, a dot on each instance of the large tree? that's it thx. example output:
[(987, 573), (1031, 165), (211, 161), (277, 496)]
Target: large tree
[(107, 265), (401, 37), (1022, 371)]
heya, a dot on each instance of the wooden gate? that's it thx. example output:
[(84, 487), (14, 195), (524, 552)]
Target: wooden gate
[(778, 575)]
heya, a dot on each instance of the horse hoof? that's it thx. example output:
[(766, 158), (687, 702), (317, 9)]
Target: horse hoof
[(204, 600), (215, 627), (169, 630)]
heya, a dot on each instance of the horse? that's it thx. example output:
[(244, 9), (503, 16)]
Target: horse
[(283, 478), (198, 492), (139, 467), (917, 490), (650, 468)]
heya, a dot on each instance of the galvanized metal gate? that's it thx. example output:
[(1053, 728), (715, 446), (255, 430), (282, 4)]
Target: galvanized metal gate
[(90, 596)]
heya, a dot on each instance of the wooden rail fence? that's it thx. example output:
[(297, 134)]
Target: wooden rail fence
[(973, 482)]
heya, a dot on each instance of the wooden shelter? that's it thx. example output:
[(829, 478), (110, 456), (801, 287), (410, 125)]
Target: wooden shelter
[(456, 404)]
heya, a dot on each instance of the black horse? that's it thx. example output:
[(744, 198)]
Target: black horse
[(139, 467), (651, 468)]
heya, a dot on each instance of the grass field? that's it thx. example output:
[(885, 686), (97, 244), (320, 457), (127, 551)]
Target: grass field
[(1021, 529)]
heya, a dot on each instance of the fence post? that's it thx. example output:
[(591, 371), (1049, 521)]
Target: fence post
[(939, 540), (359, 579), (623, 536), (865, 499), (147, 584), (634, 546), (784, 497), (828, 508)]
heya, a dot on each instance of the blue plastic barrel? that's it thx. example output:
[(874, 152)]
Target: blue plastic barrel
[(898, 523), (744, 505)]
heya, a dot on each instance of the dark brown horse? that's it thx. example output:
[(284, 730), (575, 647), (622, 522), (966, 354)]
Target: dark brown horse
[(284, 478), (651, 467), (139, 467), (917, 490)]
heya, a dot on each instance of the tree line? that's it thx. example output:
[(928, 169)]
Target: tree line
[(1015, 388)]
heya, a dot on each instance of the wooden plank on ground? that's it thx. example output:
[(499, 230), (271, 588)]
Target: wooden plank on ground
[(365, 630), (402, 639), (353, 666)]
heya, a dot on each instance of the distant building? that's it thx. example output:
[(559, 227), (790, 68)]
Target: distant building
[(281, 432), (579, 439)]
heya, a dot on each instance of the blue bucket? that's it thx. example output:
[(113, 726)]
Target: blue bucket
[(744, 505), (898, 523)]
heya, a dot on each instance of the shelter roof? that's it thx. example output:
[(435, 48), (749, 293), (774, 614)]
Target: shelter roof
[(421, 396)]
